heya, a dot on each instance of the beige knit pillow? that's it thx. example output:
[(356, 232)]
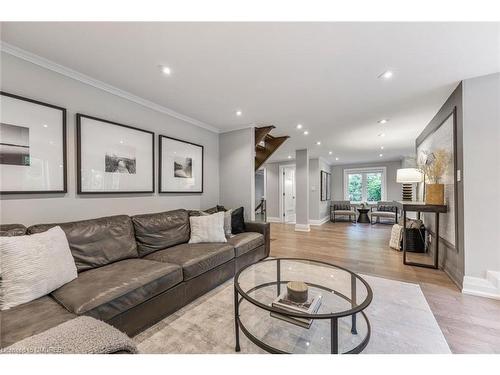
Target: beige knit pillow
[(33, 266)]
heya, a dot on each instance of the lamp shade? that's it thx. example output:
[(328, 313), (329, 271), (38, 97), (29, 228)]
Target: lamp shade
[(409, 176)]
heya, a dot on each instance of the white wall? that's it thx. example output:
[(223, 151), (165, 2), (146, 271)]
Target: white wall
[(302, 190), (236, 169), (481, 175), (393, 188), (32, 81), (318, 210)]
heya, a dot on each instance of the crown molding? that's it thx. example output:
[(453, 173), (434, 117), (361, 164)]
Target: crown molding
[(68, 72), (222, 131)]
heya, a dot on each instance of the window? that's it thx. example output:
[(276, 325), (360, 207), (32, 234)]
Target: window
[(364, 185)]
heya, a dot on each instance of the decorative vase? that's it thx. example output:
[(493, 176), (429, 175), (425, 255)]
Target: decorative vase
[(434, 194), (297, 291)]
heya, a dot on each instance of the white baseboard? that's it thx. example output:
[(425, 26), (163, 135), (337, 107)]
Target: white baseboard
[(319, 222), (488, 287), (302, 228), (271, 219)]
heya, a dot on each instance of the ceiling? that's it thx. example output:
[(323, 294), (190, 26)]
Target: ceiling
[(321, 75)]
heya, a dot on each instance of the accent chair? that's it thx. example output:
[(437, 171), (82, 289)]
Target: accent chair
[(384, 210), (342, 208)]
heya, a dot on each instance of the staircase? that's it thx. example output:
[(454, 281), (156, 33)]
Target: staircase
[(266, 144)]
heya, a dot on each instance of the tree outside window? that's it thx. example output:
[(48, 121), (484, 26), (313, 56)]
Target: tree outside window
[(365, 186), (355, 187)]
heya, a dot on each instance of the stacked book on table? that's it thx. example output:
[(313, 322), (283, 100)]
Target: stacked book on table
[(311, 306)]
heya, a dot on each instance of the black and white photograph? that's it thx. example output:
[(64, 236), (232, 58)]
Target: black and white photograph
[(32, 146), (181, 166), (14, 145), (113, 157), (121, 161)]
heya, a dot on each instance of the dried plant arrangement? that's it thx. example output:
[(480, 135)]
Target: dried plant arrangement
[(434, 165)]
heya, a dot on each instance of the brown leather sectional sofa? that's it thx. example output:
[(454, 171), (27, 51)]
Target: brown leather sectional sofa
[(132, 271)]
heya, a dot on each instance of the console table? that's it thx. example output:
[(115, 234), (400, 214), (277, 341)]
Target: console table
[(418, 207)]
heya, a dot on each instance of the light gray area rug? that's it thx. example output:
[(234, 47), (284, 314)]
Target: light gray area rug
[(401, 322)]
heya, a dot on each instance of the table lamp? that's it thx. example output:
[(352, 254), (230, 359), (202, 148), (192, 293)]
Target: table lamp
[(407, 177)]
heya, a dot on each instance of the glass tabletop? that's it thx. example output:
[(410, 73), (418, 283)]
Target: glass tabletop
[(332, 328), (341, 291)]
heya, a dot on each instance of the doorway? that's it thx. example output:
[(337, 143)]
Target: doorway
[(287, 193), (260, 195)]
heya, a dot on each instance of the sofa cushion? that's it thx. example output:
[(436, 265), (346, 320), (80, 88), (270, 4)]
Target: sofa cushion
[(107, 291), (344, 212), (384, 214), (160, 230), (30, 319), (196, 258), (244, 242), (8, 230), (214, 210), (97, 242)]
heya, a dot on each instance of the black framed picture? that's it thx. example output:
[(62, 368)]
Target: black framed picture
[(32, 146), (113, 157), (180, 166), (325, 181)]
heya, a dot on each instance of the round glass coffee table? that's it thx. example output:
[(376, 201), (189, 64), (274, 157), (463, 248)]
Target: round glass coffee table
[(339, 324)]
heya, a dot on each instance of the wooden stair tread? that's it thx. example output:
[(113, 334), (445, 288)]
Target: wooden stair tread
[(262, 132)]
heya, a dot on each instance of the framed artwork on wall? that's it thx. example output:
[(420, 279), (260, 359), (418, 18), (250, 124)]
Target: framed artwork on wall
[(328, 186), (113, 158), (442, 138), (32, 146), (181, 166), (325, 186)]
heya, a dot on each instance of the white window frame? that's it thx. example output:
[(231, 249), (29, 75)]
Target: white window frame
[(363, 172)]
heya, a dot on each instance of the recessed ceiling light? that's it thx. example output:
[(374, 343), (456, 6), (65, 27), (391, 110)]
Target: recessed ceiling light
[(381, 135), (380, 155), (306, 132), (299, 126), (329, 152), (386, 75), (45, 126), (318, 143), (166, 70), (336, 158), (383, 121), (381, 147), (289, 156), (239, 113)]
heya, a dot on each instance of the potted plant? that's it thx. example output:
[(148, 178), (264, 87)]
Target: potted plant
[(434, 166)]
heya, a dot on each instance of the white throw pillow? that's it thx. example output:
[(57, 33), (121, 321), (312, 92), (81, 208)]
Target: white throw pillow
[(33, 266), (207, 228)]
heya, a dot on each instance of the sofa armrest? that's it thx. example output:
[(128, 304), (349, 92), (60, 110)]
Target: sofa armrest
[(262, 228)]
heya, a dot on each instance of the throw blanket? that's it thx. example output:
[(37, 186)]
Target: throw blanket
[(82, 335)]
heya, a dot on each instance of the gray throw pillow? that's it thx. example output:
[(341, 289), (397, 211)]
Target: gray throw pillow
[(227, 223)]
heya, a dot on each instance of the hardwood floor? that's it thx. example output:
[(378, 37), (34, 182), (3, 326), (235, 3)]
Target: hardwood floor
[(470, 324)]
